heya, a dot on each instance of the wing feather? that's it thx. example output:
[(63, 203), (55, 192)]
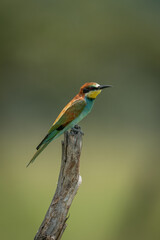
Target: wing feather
[(68, 114)]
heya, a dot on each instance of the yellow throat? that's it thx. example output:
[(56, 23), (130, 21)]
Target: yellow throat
[(93, 94)]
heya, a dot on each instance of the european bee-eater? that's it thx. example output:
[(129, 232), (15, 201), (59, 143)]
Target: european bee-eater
[(73, 113)]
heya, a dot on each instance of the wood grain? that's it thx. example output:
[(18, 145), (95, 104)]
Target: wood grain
[(69, 181)]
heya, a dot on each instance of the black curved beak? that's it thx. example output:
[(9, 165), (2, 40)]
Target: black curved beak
[(104, 86)]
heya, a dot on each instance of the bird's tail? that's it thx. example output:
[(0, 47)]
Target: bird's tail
[(37, 153)]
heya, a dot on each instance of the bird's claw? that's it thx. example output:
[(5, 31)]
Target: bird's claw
[(76, 129)]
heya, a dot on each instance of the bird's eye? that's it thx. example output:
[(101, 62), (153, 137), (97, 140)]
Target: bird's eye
[(85, 90), (93, 88), (89, 88)]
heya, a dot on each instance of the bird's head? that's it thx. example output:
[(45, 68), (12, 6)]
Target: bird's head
[(92, 89)]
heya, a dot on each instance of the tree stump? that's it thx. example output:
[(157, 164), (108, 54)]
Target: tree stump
[(69, 181)]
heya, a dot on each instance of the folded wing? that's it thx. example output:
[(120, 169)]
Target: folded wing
[(67, 115)]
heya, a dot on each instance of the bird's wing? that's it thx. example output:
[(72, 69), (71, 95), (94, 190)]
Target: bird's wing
[(67, 115)]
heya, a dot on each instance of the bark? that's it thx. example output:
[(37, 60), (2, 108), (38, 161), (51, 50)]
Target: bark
[(69, 181)]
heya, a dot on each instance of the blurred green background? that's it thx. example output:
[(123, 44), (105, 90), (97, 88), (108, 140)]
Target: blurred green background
[(48, 50)]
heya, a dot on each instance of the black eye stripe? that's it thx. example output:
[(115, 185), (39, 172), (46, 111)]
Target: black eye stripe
[(90, 88)]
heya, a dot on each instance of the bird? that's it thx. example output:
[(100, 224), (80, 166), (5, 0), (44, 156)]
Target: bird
[(72, 113)]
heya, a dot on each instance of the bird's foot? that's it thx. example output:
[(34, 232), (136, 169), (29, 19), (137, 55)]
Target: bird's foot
[(76, 129)]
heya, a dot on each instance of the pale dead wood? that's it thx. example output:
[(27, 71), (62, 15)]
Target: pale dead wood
[(69, 181)]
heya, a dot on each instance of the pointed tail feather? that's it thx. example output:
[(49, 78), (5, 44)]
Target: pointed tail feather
[(42, 142), (37, 153)]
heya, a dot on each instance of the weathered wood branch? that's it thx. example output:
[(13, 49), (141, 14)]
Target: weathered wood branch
[(69, 181)]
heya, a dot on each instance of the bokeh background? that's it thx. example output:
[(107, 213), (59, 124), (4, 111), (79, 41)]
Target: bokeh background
[(48, 50)]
